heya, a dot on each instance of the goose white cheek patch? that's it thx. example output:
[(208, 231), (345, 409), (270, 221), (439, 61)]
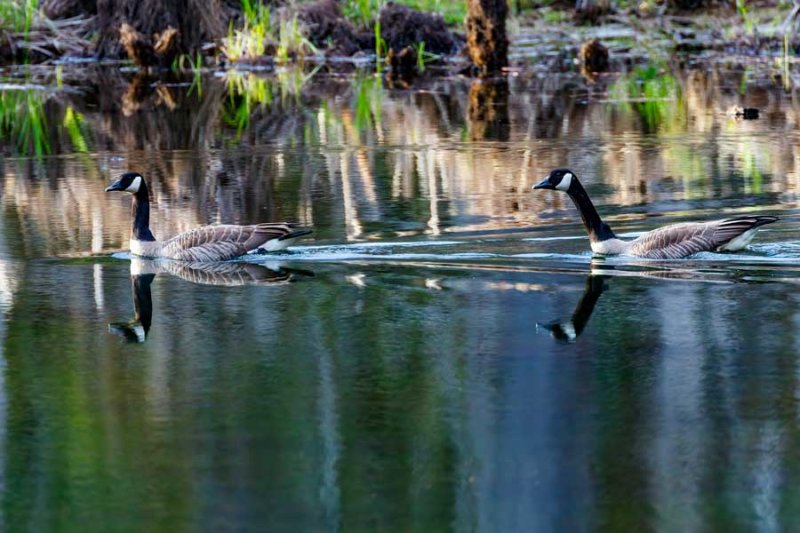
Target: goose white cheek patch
[(135, 184), (565, 182)]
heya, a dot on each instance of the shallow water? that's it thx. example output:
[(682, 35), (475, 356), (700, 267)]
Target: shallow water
[(445, 353)]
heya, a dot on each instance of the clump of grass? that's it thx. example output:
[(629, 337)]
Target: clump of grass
[(380, 45), (24, 122), (194, 65), (423, 57), (292, 42), (746, 16), (250, 42), (261, 35), (18, 15)]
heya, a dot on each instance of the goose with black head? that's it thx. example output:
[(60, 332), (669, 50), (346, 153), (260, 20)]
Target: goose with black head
[(674, 241), (206, 243)]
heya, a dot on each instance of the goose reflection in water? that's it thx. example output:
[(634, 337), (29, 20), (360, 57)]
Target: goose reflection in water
[(143, 271), (568, 330)]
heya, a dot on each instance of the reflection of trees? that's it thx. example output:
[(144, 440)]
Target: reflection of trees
[(356, 159)]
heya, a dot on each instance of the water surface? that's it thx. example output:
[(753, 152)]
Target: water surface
[(444, 354)]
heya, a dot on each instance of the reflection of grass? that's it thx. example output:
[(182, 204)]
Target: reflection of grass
[(75, 125), (754, 178), (251, 41), (248, 92), (23, 120), (195, 65), (653, 94), (369, 101), (245, 93)]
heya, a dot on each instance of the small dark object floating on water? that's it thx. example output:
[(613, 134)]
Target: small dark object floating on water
[(746, 113)]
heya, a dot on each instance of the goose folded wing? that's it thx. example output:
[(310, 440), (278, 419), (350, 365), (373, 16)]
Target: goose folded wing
[(222, 242), (676, 241), (682, 240)]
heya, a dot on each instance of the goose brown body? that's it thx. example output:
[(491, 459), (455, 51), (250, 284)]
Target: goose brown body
[(675, 241), (219, 242), (682, 240), (206, 243)]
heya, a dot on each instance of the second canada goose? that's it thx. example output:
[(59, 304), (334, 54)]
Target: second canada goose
[(206, 243), (669, 242)]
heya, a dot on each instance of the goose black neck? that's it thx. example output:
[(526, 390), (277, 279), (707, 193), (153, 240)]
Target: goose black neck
[(597, 229), (141, 214)]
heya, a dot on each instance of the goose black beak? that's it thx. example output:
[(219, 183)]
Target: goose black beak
[(544, 184), (116, 186)]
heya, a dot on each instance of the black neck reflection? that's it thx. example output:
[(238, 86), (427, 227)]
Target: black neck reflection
[(569, 330), (136, 329)]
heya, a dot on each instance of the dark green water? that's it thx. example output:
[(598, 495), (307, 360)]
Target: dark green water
[(443, 355)]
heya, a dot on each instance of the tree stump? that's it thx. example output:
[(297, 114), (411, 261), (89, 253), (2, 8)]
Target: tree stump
[(487, 43)]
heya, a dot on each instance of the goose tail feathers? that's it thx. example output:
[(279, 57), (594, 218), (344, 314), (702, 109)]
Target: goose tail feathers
[(736, 233), (748, 221), (296, 234)]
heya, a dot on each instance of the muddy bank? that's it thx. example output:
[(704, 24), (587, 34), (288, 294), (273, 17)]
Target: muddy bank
[(547, 39)]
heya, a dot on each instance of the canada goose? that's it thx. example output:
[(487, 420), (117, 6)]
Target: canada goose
[(670, 242), (206, 243)]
